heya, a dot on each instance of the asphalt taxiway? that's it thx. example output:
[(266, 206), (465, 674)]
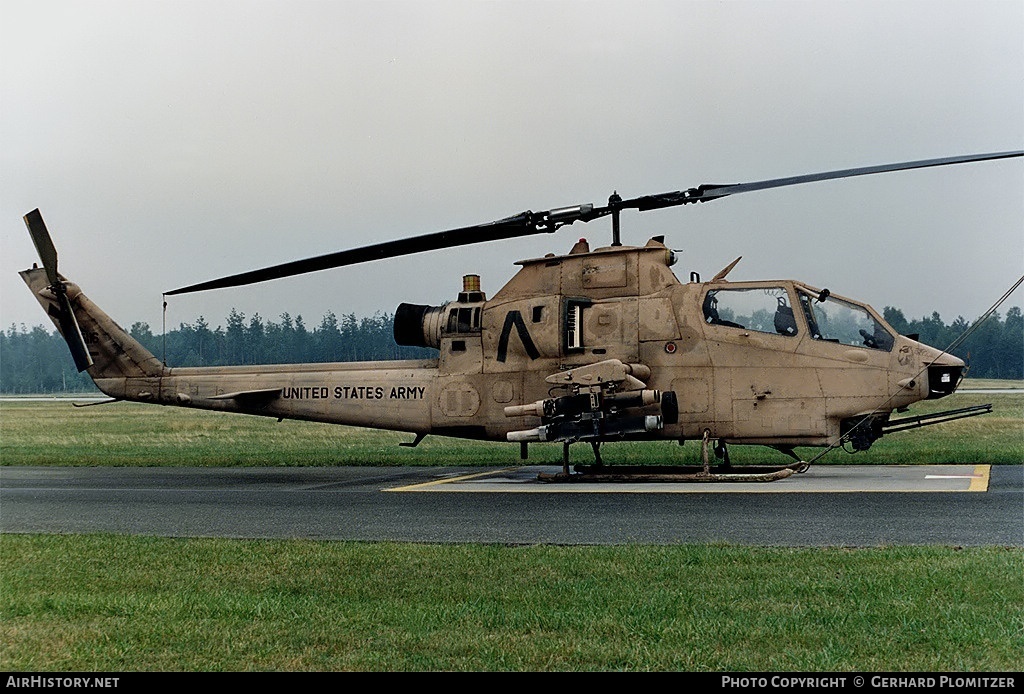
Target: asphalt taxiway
[(829, 505)]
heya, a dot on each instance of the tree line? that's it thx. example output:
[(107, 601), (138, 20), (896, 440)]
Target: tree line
[(994, 349), (37, 360)]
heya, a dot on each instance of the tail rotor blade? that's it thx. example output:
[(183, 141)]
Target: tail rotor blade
[(43, 243), (63, 312), (72, 333)]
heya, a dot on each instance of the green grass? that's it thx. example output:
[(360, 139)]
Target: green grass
[(102, 603), (998, 383), (55, 433)]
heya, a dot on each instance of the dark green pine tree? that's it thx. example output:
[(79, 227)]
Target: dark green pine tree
[(37, 360)]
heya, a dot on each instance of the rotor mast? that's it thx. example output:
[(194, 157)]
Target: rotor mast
[(614, 204)]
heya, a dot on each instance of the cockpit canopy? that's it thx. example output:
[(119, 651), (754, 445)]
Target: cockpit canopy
[(836, 320), (770, 309)]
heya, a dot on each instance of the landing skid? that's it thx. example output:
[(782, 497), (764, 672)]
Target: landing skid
[(672, 473), (726, 472)]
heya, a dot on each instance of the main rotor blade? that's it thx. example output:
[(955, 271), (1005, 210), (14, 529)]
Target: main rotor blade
[(527, 223), (712, 191), (522, 224)]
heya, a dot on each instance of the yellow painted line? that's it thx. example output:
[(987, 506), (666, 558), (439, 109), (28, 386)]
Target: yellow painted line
[(980, 481), (448, 480), (552, 488)]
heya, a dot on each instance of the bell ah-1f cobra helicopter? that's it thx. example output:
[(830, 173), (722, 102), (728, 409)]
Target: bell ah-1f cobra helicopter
[(596, 345)]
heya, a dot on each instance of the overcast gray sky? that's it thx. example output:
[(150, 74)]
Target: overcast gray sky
[(168, 143)]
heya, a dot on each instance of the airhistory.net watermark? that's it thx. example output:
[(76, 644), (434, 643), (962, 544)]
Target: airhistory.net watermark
[(49, 681)]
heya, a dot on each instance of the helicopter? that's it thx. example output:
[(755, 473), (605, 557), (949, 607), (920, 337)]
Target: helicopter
[(596, 345)]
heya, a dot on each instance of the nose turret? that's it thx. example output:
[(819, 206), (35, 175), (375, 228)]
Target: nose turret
[(943, 379), (944, 371)]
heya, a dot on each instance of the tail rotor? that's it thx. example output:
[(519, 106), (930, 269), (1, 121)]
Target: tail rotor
[(63, 312)]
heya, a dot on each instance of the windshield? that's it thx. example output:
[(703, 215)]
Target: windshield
[(834, 320)]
